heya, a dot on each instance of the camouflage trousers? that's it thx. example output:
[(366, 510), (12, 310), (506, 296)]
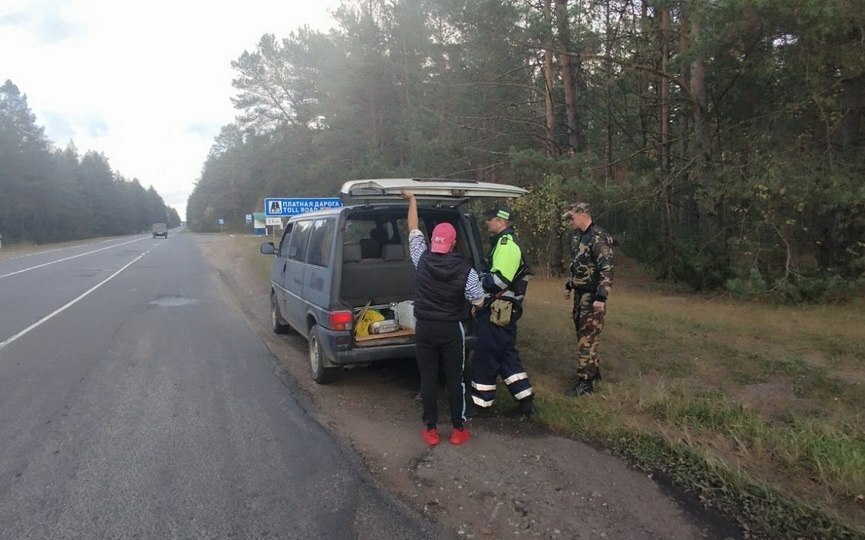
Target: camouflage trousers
[(588, 323)]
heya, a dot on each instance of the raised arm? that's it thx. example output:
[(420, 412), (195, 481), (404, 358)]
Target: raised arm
[(412, 210), (416, 242)]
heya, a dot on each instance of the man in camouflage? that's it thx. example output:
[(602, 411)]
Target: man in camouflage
[(591, 279)]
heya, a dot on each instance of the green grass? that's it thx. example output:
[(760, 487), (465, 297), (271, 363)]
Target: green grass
[(836, 346), (757, 409)]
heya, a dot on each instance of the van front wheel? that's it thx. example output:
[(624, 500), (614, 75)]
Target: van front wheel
[(320, 374)]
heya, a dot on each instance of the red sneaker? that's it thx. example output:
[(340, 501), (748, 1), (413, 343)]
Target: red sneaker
[(430, 436), (460, 436)]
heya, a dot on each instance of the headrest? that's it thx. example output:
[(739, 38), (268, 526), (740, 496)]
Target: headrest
[(370, 248), (351, 253), (393, 252)]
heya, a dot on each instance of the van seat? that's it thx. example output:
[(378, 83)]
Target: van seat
[(377, 281)]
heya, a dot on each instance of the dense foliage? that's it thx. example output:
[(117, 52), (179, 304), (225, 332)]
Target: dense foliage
[(50, 195), (721, 141)]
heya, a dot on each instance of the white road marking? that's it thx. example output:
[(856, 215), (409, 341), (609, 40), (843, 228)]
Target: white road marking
[(50, 316), (43, 265)]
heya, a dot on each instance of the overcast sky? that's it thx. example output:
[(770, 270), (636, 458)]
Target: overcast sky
[(147, 83)]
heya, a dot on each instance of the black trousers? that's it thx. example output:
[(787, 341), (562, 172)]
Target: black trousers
[(441, 345)]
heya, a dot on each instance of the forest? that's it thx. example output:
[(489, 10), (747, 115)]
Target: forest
[(51, 195), (719, 141)]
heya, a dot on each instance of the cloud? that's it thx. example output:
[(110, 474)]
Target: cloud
[(16, 18), (202, 129), (52, 29), (44, 20), (60, 127), (57, 127), (94, 125)]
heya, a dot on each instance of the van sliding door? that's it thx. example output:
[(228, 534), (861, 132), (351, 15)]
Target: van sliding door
[(294, 275)]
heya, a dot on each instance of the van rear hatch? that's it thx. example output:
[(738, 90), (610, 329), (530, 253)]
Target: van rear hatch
[(430, 190)]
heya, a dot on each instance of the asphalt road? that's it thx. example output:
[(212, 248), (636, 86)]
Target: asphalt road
[(135, 402)]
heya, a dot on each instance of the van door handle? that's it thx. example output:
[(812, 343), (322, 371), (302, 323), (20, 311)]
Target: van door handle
[(284, 265)]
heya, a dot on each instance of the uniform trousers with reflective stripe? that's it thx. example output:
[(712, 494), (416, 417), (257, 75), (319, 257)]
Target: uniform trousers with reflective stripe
[(441, 344), (496, 354)]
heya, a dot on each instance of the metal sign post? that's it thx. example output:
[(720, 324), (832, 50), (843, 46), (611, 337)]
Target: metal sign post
[(273, 223)]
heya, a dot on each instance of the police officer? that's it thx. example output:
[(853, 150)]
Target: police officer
[(495, 344), (591, 278)]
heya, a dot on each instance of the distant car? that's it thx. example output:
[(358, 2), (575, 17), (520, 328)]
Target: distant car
[(160, 230), (332, 266)]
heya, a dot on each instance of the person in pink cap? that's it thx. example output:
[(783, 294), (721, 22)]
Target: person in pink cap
[(445, 280)]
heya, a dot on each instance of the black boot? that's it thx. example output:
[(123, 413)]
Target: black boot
[(475, 411), (525, 408), (583, 386)]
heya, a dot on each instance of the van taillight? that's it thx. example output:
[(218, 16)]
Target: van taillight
[(340, 320)]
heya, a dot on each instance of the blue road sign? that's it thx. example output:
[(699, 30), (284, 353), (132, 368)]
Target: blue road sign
[(274, 207)]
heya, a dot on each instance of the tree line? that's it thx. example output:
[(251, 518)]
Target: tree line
[(53, 195), (721, 141)]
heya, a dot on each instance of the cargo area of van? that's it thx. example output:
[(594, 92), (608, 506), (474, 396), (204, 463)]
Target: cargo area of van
[(378, 282)]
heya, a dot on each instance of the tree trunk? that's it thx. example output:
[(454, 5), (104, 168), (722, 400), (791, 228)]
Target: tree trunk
[(664, 92), (664, 136), (549, 77), (642, 77), (852, 103), (568, 74), (707, 209), (698, 96), (608, 84)]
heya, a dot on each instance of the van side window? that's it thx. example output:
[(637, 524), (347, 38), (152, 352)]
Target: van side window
[(283, 244), (299, 237), (320, 241)]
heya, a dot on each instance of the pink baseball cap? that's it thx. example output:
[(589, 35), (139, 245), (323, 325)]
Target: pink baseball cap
[(443, 237)]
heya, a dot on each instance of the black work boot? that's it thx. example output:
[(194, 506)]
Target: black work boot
[(525, 408), (476, 411), (583, 386)]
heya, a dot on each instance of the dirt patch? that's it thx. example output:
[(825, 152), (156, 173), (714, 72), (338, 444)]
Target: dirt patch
[(512, 480)]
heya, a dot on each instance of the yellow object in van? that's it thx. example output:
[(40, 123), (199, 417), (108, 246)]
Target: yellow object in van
[(369, 317)]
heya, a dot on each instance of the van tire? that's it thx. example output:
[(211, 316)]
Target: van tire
[(320, 374), (277, 323)]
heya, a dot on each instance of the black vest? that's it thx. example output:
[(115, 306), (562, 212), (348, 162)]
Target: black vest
[(440, 288)]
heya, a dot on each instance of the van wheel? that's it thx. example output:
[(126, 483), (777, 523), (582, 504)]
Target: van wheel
[(277, 323), (320, 374)]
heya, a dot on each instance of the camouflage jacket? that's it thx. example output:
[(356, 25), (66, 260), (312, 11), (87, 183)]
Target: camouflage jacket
[(592, 262)]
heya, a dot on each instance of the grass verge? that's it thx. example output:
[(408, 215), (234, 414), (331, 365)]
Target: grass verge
[(754, 409)]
